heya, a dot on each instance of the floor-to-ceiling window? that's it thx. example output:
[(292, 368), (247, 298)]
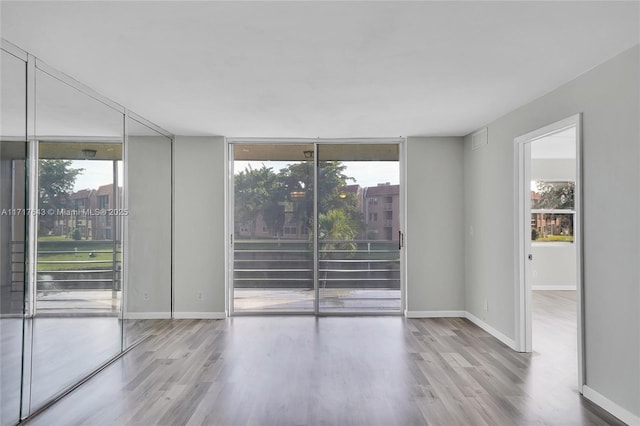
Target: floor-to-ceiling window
[(316, 227), (273, 253), (359, 228)]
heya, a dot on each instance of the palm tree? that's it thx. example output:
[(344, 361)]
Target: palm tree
[(336, 233)]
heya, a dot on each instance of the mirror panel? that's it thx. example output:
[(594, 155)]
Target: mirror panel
[(77, 313), (13, 154)]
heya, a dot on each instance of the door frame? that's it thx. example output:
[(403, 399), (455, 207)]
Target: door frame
[(522, 240), (229, 217)]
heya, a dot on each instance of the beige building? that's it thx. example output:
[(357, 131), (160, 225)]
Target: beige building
[(381, 209), (88, 212)]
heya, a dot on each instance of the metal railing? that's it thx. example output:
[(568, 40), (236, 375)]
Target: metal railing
[(289, 264), (69, 274)]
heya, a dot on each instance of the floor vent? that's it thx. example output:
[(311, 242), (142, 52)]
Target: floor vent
[(479, 139)]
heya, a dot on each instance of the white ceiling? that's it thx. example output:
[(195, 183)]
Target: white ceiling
[(322, 69)]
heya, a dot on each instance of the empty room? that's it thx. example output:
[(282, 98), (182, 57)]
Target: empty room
[(319, 213)]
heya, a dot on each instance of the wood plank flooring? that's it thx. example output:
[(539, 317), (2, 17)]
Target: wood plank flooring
[(326, 371)]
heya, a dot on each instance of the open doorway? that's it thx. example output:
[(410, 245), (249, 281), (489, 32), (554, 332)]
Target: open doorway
[(549, 247)]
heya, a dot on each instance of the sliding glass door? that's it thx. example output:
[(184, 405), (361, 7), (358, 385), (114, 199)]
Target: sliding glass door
[(359, 228), (272, 228), (315, 228)]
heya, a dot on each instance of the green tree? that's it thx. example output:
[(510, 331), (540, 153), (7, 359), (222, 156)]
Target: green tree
[(332, 194), (56, 181), (253, 193), (336, 231), (554, 195), (263, 192), (336, 235)]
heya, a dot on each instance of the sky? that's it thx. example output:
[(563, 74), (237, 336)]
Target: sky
[(366, 173), (96, 173)]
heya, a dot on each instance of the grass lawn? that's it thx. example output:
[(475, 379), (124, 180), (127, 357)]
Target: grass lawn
[(555, 238), (59, 249)]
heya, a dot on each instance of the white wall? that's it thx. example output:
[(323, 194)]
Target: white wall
[(553, 170), (148, 253), (608, 97), (199, 285), (434, 238), (553, 266)]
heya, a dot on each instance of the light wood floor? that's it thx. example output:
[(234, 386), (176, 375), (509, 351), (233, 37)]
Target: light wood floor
[(332, 371)]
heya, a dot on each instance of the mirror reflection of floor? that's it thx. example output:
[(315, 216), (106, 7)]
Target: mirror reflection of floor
[(65, 349), (98, 302)]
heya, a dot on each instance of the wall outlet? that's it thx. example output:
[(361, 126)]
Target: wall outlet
[(145, 296), (200, 296)]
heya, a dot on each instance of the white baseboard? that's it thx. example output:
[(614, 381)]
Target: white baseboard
[(623, 414), (435, 314), (147, 315), (199, 315), (547, 287), (492, 331), (464, 314)]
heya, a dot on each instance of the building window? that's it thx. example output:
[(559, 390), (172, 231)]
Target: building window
[(388, 215), (373, 217), (388, 200), (103, 202), (372, 201)]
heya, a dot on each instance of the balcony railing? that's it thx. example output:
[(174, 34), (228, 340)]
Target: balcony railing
[(288, 264), (71, 270)]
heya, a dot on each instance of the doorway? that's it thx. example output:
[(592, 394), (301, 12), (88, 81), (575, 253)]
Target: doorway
[(315, 227), (549, 242)]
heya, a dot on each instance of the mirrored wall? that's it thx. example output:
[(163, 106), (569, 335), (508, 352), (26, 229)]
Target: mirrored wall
[(67, 307), (13, 154)]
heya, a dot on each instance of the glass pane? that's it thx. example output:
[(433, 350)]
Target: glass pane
[(552, 227), (273, 249), (552, 195), (359, 224), (12, 233), (77, 324)]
